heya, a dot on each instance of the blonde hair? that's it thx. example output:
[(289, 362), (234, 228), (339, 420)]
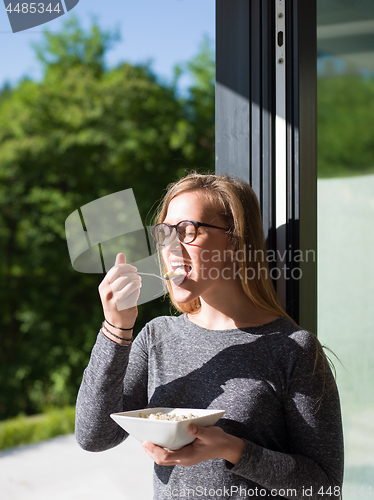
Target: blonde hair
[(236, 202)]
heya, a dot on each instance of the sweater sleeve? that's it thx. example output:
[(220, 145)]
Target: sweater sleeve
[(115, 380), (314, 466)]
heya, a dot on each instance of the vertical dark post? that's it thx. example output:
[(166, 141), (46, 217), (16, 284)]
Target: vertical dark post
[(302, 157), (245, 96), (245, 128), (233, 88)]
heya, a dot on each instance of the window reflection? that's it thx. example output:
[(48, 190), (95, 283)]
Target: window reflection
[(346, 220)]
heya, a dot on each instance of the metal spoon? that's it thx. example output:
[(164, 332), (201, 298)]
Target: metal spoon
[(163, 278)]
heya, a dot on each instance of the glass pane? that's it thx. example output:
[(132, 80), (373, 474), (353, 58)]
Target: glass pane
[(346, 222)]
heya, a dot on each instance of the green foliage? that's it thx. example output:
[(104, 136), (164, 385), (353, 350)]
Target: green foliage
[(73, 48), (5, 92), (23, 430), (80, 134), (345, 125), (198, 131)]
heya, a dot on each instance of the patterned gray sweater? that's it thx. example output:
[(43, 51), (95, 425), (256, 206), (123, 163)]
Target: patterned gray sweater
[(273, 381)]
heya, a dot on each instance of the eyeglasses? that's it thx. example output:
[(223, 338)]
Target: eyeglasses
[(187, 231)]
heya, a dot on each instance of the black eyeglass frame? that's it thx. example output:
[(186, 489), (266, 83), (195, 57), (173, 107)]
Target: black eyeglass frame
[(197, 225)]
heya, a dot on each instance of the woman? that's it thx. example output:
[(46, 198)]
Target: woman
[(234, 348)]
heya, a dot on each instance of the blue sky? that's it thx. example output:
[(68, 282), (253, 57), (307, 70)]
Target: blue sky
[(165, 31)]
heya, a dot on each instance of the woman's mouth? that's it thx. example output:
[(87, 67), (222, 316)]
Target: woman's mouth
[(180, 271)]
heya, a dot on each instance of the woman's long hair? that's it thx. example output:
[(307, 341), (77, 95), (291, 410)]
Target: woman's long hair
[(236, 202)]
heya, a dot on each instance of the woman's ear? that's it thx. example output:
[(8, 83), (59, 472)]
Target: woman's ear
[(233, 241), (233, 247)]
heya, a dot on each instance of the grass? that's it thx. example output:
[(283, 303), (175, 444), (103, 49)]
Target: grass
[(24, 430)]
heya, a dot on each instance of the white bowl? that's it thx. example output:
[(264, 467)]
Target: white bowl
[(169, 434)]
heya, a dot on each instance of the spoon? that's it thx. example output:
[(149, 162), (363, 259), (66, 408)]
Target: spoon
[(163, 278)]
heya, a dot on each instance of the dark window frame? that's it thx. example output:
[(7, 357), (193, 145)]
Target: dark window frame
[(245, 131)]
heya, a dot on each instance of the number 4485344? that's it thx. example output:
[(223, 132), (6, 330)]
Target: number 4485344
[(33, 8)]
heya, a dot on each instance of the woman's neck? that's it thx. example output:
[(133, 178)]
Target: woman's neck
[(232, 311)]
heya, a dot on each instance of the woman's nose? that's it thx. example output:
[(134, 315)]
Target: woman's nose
[(174, 245), (169, 240)]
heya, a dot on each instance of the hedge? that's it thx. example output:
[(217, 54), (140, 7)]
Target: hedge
[(24, 430)]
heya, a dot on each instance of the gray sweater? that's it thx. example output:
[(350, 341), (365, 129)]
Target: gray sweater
[(273, 381)]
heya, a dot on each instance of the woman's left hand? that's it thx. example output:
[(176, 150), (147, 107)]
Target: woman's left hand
[(211, 442)]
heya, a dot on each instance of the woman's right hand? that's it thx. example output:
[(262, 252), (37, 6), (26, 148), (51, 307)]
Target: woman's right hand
[(119, 292)]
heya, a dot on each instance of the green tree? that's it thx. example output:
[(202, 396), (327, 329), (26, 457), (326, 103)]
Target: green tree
[(81, 133), (5, 91), (74, 48), (198, 129)]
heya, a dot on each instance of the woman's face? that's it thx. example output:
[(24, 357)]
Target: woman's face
[(208, 259)]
